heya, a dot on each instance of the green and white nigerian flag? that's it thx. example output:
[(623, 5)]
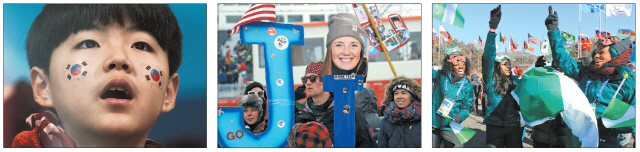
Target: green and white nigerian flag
[(544, 93), (449, 13), (464, 134), (619, 114)]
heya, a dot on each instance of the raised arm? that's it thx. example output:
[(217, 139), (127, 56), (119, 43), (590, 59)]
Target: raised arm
[(565, 62), (490, 47)]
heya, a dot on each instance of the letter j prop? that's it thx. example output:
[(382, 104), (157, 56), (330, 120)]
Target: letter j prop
[(277, 40), (344, 96)]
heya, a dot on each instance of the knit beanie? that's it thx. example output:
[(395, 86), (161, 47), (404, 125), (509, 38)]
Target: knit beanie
[(313, 135), (299, 93), (344, 24), (252, 84)]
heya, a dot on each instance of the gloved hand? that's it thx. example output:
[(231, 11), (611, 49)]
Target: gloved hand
[(540, 62), (552, 20), (457, 119), (496, 14)]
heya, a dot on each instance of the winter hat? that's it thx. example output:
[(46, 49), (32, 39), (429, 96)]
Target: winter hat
[(253, 101), (313, 67), (252, 84), (617, 46), (452, 50), (402, 82), (299, 92), (312, 135), (344, 24), (501, 58)]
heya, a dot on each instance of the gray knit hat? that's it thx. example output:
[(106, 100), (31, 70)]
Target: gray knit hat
[(344, 24)]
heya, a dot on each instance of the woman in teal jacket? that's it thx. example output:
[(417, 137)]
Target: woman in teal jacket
[(600, 80), (451, 82), (503, 119)]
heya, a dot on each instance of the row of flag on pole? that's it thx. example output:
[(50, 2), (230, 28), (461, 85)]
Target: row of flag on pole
[(451, 14), (623, 10)]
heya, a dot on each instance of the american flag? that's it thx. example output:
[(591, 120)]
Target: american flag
[(480, 41), (533, 40), (256, 12)]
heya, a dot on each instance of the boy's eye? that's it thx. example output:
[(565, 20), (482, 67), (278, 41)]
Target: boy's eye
[(141, 46), (86, 44)]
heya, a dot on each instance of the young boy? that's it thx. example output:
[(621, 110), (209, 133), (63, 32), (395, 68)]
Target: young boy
[(107, 70)]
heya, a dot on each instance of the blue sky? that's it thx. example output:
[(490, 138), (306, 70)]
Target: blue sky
[(518, 19), (193, 24)]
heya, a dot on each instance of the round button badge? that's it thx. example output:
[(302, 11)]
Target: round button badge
[(271, 31)]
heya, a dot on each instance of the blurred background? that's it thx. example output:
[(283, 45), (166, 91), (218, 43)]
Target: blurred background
[(185, 126)]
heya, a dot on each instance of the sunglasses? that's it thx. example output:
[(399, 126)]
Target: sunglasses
[(256, 92), (311, 78)]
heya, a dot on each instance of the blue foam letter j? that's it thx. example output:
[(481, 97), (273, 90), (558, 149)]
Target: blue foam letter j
[(344, 95), (277, 40)]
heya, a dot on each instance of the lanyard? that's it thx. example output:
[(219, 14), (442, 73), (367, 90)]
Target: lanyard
[(599, 91), (446, 87), (462, 85)]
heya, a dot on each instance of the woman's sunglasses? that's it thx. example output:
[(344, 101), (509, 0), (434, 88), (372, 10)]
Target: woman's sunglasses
[(256, 92), (311, 78)]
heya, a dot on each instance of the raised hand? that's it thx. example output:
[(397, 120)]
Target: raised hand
[(496, 14), (552, 20)]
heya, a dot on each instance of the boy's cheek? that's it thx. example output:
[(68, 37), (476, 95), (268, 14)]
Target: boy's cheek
[(78, 71), (154, 75)]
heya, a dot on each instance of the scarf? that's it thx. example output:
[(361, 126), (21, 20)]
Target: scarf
[(396, 115), (599, 72), (257, 128), (455, 78)]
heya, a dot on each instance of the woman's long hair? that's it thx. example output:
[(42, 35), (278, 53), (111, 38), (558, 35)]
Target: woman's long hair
[(447, 67), (503, 82)]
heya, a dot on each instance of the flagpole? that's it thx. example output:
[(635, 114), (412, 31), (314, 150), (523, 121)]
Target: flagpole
[(384, 48), (439, 42), (580, 30)]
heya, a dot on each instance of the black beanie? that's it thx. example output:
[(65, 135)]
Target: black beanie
[(253, 84), (300, 92)]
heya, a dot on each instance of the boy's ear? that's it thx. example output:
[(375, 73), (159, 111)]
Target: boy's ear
[(40, 85), (172, 91)]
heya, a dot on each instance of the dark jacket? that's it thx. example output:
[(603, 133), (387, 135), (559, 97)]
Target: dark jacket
[(550, 132), (501, 110), (367, 102), (404, 135), (364, 136)]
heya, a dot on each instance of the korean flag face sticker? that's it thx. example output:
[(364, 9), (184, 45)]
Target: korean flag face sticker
[(76, 71), (153, 75)]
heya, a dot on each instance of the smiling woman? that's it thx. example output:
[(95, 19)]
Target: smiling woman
[(345, 52)]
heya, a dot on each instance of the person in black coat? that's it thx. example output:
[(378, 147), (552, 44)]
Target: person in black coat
[(319, 108)]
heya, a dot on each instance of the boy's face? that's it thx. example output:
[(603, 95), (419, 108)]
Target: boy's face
[(116, 58)]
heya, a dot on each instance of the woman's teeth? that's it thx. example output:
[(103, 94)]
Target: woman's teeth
[(346, 60)]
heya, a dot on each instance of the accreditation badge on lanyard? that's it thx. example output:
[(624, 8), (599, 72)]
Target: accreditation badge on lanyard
[(595, 101), (448, 104)]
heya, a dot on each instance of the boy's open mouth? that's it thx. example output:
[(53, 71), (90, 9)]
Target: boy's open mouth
[(117, 92)]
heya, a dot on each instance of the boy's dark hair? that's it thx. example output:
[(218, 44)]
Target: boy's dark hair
[(57, 22)]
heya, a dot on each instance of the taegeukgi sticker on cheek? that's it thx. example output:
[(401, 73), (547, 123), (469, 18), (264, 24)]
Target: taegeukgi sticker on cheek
[(153, 75), (76, 71)]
